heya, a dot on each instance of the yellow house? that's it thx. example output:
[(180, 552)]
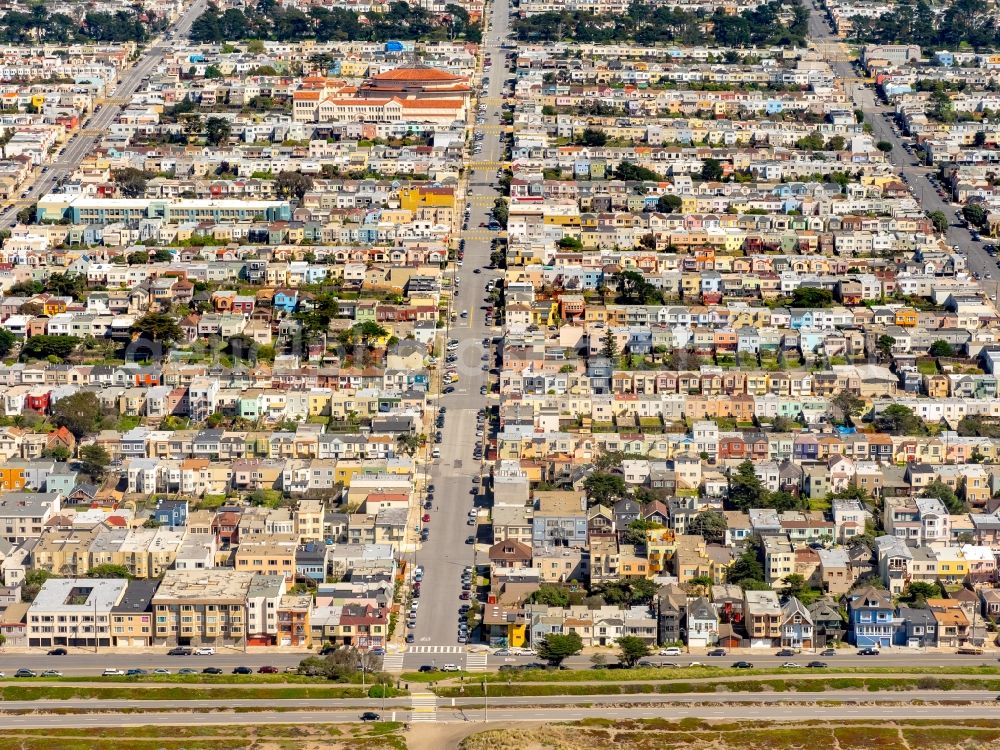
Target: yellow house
[(11, 478), (907, 316), (412, 198)]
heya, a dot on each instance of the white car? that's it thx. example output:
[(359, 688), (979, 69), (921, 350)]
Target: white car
[(204, 651), (112, 672), (450, 668), (670, 651), (791, 665)]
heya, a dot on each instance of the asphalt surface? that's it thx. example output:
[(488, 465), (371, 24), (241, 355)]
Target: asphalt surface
[(446, 553), (82, 663), (497, 711), (916, 175), (82, 144)]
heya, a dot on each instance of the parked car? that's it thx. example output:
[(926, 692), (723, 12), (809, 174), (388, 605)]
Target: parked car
[(717, 652), (57, 652), (268, 669), (22, 672), (742, 665), (135, 672), (869, 651), (828, 652), (204, 651), (242, 670), (212, 670), (786, 652), (370, 716), (180, 651), (112, 672)]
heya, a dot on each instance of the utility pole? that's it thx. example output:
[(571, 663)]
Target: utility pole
[(486, 703)]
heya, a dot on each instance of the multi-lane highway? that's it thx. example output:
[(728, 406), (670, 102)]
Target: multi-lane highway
[(82, 143), (853, 705)]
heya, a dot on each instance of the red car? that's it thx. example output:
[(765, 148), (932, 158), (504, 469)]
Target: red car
[(267, 670), (426, 518), (464, 595)]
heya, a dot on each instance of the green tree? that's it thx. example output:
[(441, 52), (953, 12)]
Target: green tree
[(711, 524), (941, 348), (711, 170), (292, 184), (946, 495), (897, 419), (747, 566), (668, 204), (593, 137), (809, 296), (630, 650), (131, 182), (556, 647), (939, 220), (158, 327), (847, 403), (109, 571), (884, 345), (217, 131), (369, 331), (80, 413), (94, 460), (884, 146), (45, 346), (974, 214), (34, 579), (609, 346), (746, 491), (7, 341), (602, 487), (550, 595), (918, 592)]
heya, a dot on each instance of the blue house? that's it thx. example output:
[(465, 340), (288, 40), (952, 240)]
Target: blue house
[(171, 513), (871, 618), (286, 299)]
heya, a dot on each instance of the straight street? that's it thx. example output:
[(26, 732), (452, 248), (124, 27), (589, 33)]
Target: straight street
[(446, 553), (900, 708), (90, 132), (915, 174)]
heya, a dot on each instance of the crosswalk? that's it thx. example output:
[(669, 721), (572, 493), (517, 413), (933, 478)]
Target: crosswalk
[(435, 650), (487, 164), (423, 707), (482, 234), (478, 199), (393, 662), (476, 662)]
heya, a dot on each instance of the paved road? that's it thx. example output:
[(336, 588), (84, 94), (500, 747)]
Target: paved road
[(446, 553), (501, 713), (916, 175), (81, 145), (90, 663)]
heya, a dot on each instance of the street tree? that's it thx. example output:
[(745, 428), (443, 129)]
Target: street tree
[(630, 650), (555, 647)]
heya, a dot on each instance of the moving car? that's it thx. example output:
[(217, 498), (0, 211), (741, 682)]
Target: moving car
[(112, 672), (204, 651), (370, 716), (242, 670), (268, 669), (57, 652), (742, 665), (717, 652), (212, 670), (869, 651)]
